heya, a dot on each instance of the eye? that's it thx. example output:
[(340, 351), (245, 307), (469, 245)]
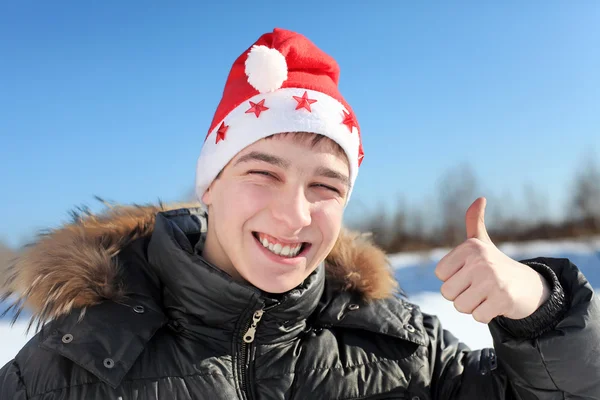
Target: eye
[(330, 188), (264, 173)]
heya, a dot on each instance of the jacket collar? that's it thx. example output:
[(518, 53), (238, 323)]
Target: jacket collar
[(204, 300), (73, 267)]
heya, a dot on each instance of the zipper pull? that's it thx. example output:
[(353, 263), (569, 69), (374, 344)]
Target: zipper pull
[(249, 335)]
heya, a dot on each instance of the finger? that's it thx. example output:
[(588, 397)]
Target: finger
[(457, 283), (475, 221), (486, 311), (452, 262), (470, 299)]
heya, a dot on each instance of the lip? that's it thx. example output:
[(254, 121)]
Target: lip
[(279, 240), (280, 259)]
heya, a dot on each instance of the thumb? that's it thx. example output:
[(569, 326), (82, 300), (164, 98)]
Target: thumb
[(475, 221)]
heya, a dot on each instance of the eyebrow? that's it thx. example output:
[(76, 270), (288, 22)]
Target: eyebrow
[(264, 157), (329, 173)]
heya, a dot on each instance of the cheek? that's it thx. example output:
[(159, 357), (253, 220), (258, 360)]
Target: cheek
[(243, 199), (328, 217), (256, 194)]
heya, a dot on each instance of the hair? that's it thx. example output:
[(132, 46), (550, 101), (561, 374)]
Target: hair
[(315, 139)]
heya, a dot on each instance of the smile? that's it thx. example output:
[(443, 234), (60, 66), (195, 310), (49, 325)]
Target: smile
[(279, 247)]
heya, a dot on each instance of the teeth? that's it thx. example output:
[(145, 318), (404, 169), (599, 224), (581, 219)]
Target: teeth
[(280, 250)]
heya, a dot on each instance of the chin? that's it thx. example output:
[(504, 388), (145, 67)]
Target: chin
[(276, 286)]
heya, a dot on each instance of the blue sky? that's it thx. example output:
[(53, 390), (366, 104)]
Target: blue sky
[(114, 98)]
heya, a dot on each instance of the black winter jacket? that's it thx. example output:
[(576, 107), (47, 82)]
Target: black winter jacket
[(130, 311)]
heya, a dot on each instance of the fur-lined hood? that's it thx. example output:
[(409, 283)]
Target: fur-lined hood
[(73, 267)]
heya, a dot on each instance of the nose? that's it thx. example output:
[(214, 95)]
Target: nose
[(292, 209)]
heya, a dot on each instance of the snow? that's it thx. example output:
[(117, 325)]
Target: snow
[(414, 271), (13, 338), (529, 249), (464, 327)]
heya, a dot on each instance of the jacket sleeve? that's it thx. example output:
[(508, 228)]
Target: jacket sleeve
[(11, 384), (531, 359)]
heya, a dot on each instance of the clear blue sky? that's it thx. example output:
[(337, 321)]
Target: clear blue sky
[(114, 98)]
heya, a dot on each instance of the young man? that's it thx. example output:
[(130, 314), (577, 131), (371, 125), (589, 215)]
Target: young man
[(265, 296)]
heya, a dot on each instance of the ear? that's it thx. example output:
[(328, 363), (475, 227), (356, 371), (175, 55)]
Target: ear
[(207, 196)]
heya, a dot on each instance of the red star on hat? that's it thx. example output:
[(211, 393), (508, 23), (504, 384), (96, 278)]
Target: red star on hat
[(361, 154), (221, 132), (304, 101), (257, 108), (349, 120)]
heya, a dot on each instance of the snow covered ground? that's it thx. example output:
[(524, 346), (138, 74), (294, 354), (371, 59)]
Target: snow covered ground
[(12, 339), (414, 271)]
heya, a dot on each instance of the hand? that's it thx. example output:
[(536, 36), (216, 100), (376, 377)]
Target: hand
[(482, 281)]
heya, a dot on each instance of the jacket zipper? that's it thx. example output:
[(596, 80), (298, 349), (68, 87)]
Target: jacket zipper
[(246, 349), (247, 341)]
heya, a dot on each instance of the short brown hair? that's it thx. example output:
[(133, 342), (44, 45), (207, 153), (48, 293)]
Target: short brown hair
[(315, 140)]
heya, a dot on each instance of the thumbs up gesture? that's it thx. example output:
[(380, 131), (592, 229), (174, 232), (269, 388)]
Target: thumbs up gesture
[(482, 281)]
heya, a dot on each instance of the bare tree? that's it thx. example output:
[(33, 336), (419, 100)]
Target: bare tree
[(377, 225), (496, 213), (536, 205), (585, 201), (400, 217), (399, 234), (416, 222), (458, 187)]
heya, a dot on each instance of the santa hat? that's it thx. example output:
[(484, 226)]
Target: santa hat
[(282, 83)]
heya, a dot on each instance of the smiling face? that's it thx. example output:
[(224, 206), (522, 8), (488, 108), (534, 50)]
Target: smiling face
[(276, 209)]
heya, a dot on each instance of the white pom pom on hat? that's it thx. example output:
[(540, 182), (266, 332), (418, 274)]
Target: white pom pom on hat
[(266, 68)]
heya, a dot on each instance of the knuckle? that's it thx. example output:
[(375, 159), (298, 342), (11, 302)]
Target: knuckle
[(481, 318), (487, 271), (444, 291), (442, 275), (457, 307), (502, 287), (460, 307), (488, 285), (479, 315), (447, 292), (474, 244), (439, 270)]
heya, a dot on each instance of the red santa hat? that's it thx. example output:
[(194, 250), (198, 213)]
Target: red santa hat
[(282, 83)]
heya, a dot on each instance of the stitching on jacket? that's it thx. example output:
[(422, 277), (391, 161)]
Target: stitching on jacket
[(130, 380), (539, 350), (21, 379), (333, 368)]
